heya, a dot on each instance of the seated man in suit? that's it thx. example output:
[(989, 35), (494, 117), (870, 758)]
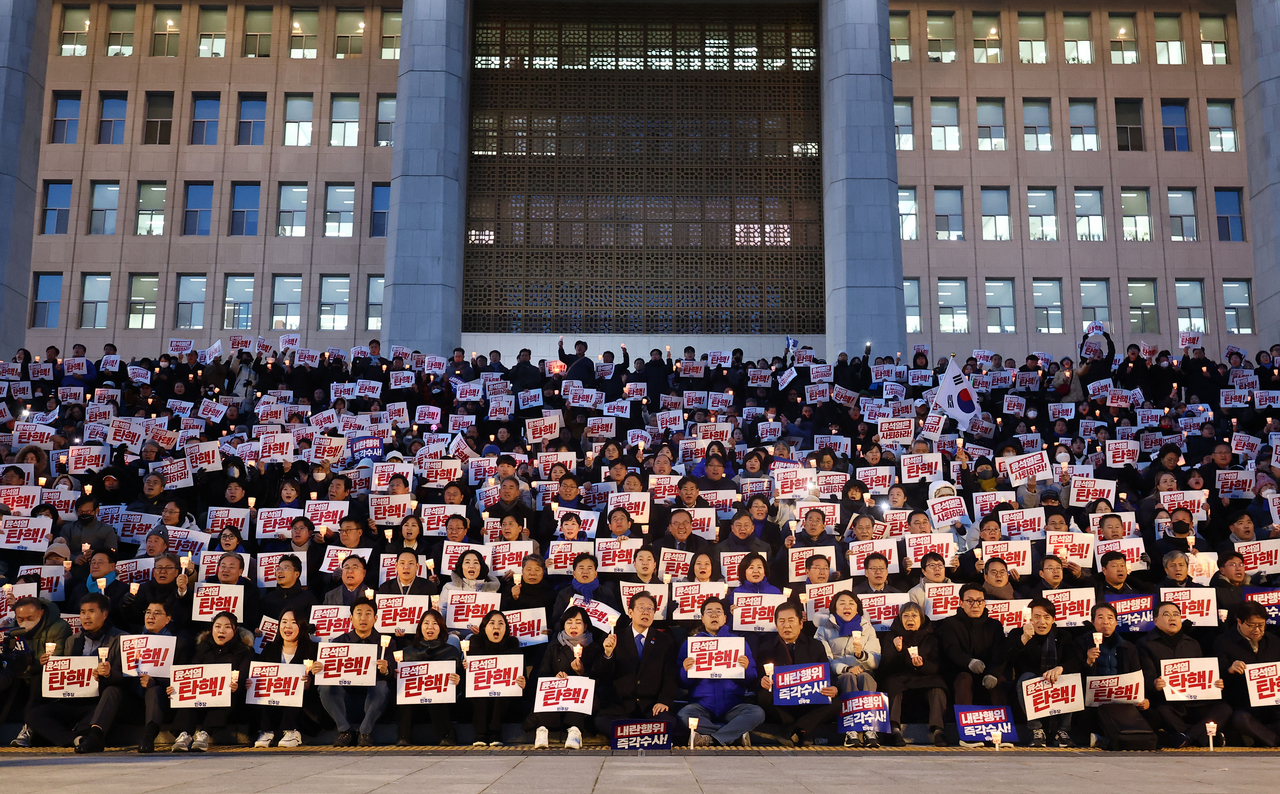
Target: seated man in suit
[(637, 677)]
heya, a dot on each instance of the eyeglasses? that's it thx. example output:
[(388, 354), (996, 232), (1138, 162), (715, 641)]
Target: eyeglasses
[(934, 565), (165, 568), (1254, 626), (975, 600)]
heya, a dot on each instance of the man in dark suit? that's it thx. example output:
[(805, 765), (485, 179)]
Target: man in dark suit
[(637, 675), (790, 646)]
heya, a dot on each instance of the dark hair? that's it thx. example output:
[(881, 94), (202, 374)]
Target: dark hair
[(745, 563), (1111, 557), (97, 599), (967, 586), (1159, 604), (631, 602), (110, 554), (30, 601), (875, 555), (155, 602), (484, 566), (1044, 604), (586, 555), (1249, 609), (1223, 556), (362, 599), (792, 606)]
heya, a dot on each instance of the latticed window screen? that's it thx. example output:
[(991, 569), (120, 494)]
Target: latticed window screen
[(644, 169)]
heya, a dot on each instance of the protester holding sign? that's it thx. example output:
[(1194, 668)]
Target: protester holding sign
[(572, 651), (636, 677), (1248, 643), (910, 663), (1183, 700), (972, 646), (291, 645), (493, 638), (721, 705), (430, 643), (335, 698), (1041, 650), (223, 643), (587, 584), (787, 648), (855, 652)]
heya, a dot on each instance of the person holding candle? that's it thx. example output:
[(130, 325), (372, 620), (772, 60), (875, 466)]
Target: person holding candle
[(101, 579), (855, 653), (157, 621), (336, 699), (792, 646), (292, 645), (223, 643), (353, 581), (1041, 650), (528, 588), (721, 706), (88, 529), (911, 662), (1104, 652), (406, 580), (430, 643), (572, 651), (586, 583), (63, 721), (1179, 722), (470, 575)]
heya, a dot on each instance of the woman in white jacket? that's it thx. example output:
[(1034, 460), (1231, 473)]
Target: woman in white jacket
[(855, 652)]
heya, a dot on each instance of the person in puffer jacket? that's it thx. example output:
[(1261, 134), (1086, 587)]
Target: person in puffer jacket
[(721, 705), (855, 652)]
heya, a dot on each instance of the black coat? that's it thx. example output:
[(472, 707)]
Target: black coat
[(559, 658), (276, 600), (964, 639), (1231, 647), (897, 671), (1156, 647), (630, 685)]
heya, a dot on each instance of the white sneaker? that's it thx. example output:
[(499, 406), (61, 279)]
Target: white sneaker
[(181, 744), (746, 739), (291, 739), (23, 739), (264, 739), (201, 742), (540, 738), (574, 740)]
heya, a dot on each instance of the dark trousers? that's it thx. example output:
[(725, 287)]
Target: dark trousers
[(486, 718), (278, 718), (438, 713), (936, 697), (1189, 717), (60, 721), (969, 691), (802, 720), (1261, 724)]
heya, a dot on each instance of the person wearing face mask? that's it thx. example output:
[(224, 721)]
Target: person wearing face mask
[(38, 624), (88, 529)]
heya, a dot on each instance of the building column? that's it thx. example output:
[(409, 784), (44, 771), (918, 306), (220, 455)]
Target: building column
[(860, 181), (24, 53), (428, 182), (1260, 81)]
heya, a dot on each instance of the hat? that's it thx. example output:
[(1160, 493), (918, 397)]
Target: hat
[(395, 455), (160, 531), (59, 547), (490, 449)]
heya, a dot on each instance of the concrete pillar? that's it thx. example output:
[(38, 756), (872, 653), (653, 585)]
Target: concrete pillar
[(1260, 81), (24, 53), (429, 174), (860, 181)]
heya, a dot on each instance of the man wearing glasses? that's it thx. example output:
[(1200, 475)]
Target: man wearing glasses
[(876, 568), (162, 588), (972, 644), (1248, 643), (637, 677), (933, 570)]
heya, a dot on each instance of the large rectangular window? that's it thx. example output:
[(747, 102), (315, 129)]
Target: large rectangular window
[(1129, 125), (339, 210), (391, 34), (1000, 311), (75, 31), (1182, 215), (335, 298), (911, 297), (257, 32), (191, 291), (1237, 298), (297, 119), (1037, 134), (904, 131), (292, 218), (120, 23), (106, 202), (165, 31), (380, 210), (237, 304), (344, 120), (1124, 39), (1047, 296), (948, 213), (1169, 47), (1090, 224), (1222, 125), (1173, 117), (95, 295), (1228, 203), (1135, 212), (151, 201), (991, 125), (159, 124), (204, 119), (1095, 302), (350, 33), (213, 32), (386, 119), (144, 295), (908, 214), (995, 213), (986, 39), (1042, 214), (941, 31), (304, 31), (46, 303), (114, 109), (1142, 307), (1190, 294), (373, 309), (197, 218), (66, 117), (1213, 40), (286, 303), (244, 209), (944, 118), (57, 207), (252, 125), (1084, 125), (1077, 39), (900, 37), (1031, 39), (953, 306)]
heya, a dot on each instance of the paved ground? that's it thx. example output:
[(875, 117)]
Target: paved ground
[(350, 772)]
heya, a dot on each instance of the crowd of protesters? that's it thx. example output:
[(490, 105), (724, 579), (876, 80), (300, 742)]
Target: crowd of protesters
[(787, 453)]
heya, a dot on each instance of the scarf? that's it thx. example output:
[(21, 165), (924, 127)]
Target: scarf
[(1003, 593), (759, 525), (588, 590), (583, 639), (848, 627), (762, 586), (473, 584), (93, 582)]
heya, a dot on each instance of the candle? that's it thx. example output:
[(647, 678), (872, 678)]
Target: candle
[(102, 654), (84, 548), (431, 565), (577, 651), (435, 602), (786, 593), (1097, 639), (693, 730), (314, 496), (186, 561), (368, 593), (1222, 615), (466, 646), (518, 577), (307, 663), (768, 669), (66, 565), (253, 500), (398, 656), (385, 640), (613, 622), (666, 578), (387, 532), (804, 599), (133, 588), (996, 736), (102, 582), (88, 489), (50, 647), (42, 481)]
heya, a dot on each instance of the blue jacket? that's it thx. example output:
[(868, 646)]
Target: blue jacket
[(717, 695)]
